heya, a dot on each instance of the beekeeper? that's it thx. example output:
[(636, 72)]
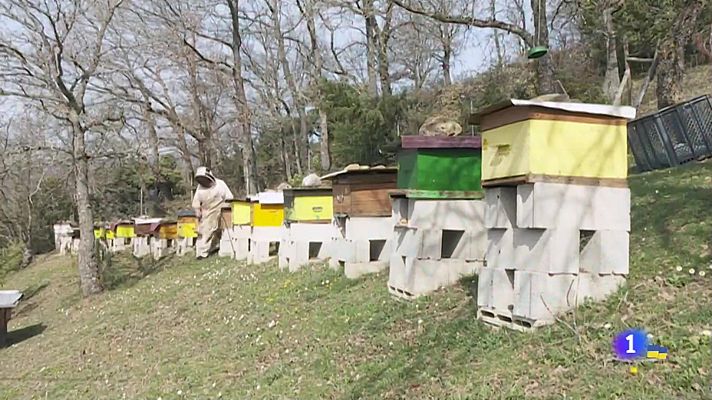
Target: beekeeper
[(207, 202)]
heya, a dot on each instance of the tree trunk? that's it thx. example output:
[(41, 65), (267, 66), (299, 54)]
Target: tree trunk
[(544, 69), (611, 80), (249, 160), (371, 46), (671, 69), (325, 145), (88, 265), (447, 59)]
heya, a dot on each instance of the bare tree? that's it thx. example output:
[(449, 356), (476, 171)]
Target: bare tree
[(49, 55)]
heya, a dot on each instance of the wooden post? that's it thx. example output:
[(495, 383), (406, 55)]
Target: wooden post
[(4, 318)]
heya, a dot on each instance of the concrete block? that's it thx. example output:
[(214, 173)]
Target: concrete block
[(495, 289), (398, 279), (500, 248), (607, 252), (554, 251), (412, 277), (240, 247), (447, 214), (162, 248), (407, 242), (141, 246), (368, 228), (500, 207), (263, 233), (259, 252), (295, 254), (556, 205), (356, 270), (245, 232), (431, 244), (540, 297), (185, 246)]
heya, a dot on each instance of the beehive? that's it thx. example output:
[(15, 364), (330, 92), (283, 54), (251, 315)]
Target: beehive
[(226, 216), (187, 224), (269, 209), (99, 232), (241, 211), (110, 234), (528, 139), (440, 163), (125, 230), (313, 204), (362, 191), (168, 230)]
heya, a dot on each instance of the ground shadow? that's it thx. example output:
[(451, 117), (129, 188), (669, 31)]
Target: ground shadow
[(27, 305), (123, 272), (22, 334)]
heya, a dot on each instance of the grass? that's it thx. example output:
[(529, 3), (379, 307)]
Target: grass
[(221, 329), (696, 83)]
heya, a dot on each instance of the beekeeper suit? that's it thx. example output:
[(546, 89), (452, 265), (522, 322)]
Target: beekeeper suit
[(207, 202)]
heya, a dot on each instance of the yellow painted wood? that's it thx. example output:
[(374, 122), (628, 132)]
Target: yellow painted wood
[(168, 231), (187, 227), (241, 212), (313, 208), (99, 233), (110, 235), (558, 148), (268, 214), (125, 231)]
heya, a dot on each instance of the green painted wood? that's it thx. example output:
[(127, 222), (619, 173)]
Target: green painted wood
[(456, 170)]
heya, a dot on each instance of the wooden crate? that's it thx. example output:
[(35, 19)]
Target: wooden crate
[(168, 230), (440, 163), (363, 192), (241, 211), (524, 138), (308, 205)]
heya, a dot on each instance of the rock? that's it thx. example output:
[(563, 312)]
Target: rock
[(439, 126), (311, 180), (282, 186)]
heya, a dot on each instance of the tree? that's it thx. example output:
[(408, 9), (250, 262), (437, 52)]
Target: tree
[(49, 55)]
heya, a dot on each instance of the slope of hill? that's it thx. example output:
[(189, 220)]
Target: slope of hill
[(697, 82), (220, 329)]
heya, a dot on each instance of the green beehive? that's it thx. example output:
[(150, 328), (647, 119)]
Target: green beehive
[(440, 164)]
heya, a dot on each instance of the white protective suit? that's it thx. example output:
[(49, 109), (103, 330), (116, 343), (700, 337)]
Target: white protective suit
[(209, 200)]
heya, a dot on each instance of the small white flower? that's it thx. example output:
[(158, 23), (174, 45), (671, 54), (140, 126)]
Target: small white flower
[(702, 273), (691, 271), (656, 191), (420, 321), (706, 332), (678, 268), (607, 325), (272, 324), (180, 392)]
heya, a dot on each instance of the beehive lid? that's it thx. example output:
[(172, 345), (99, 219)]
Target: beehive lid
[(441, 142), (185, 213), (271, 198), (578, 108), (9, 298), (360, 169), (147, 221)]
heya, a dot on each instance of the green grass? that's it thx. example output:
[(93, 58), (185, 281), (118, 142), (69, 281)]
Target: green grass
[(183, 329)]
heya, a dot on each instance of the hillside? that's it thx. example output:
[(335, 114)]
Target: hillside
[(220, 329), (697, 82)]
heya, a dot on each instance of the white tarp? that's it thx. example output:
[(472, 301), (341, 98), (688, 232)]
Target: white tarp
[(598, 109)]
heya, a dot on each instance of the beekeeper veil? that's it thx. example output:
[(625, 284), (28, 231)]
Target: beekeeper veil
[(204, 177)]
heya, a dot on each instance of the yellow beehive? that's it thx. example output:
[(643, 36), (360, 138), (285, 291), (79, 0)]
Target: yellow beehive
[(110, 235), (125, 231), (527, 139), (309, 205), (99, 233), (241, 212), (268, 214), (187, 226)]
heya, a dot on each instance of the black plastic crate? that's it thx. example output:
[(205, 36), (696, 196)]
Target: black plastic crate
[(672, 136)]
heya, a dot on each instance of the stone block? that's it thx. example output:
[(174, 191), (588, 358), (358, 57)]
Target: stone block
[(500, 207), (554, 251), (500, 248), (447, 214), (407, 242), (607, 252), (554, 205), (540, 296)]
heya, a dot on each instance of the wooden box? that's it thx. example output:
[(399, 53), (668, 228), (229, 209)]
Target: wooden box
[(241, 211), (314, 204), (99, 232), (167, 230), (143, 229), (440, 163), (269, 209), (524, 139), (363, 192), (226, 216), (187, 224), (110, 234)]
